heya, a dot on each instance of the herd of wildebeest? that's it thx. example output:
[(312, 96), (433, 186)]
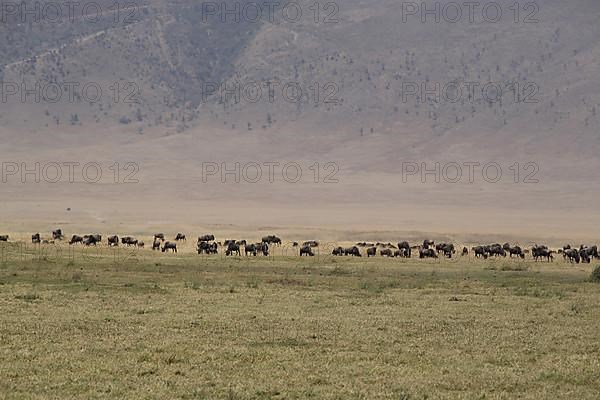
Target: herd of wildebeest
[(206, 244)]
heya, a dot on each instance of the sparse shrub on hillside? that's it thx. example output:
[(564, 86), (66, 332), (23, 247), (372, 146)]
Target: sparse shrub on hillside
[(595, 277)]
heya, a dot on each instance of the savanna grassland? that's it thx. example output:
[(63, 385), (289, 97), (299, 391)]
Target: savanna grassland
[(119, 324)]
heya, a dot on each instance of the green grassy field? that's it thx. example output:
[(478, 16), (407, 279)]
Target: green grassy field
[(162, 326)]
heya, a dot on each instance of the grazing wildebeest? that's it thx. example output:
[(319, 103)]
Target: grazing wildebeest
[(591, 252), (170, 246), (228, 241), (251, 248), (465, 252), (35, 238), (113, 241), (76, 239), (311, 243), (352, 251), (264, 248), (206, 238), (208, 248), (156, 244), (516, 250), (306, 250), (160, 236), (233, 248), (338, 251), (446, 248), (90, 240), (180, 236), (404, 245), (495, 250), (371, 251), (427, 253), (57, 234), (427, 243), (386, 253), (271, 239), (480, 252), (129, 241), (541, 252), (572, 255)]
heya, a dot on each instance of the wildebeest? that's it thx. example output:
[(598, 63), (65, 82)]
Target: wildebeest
[(206, 247), (480, 252), (371, 251), (271, 239), (91, 240), (57, 234), (515, 251), (233, 248), (3, 238), (160, 236), (311, 243), (541, 252), (241, 242), (129, 241), (35, 238), (113, 241), (446, 248), (590, 252), (495, 250), (465, 251), (156, 244), (352, 251), (76, 239), (206, 238), (252, 248), (386, 253), (404, 245), (264, 248), (306, 250), (169, 246), (180, 236), (338, 251), (295, 244), (228, 241), (427, 243), (572, 255), (427, 253)]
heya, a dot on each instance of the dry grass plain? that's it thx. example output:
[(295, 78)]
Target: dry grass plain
[(143, 325)]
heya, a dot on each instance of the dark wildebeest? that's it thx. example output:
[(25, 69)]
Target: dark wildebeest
[(591, 252), (113, 241), (90, 240), (57, 234), (541, 252), (264, 248), (428, 243), (228, 241), (251, 248), (404, 245), (352, 251), (3, 238), (427, 253), (241, 243), (36, 238), (572, 255), (76, 239), (233, 248), (495, 250), (271, 239), (306, 250), (208, 248), (338, 251), (516, 251), (386, 253), (129, 241), (295, 244), (446, 248), (480, 252), (206, 238), (311, 243), (401, 253), (361, 244), (180, 236), (160, 236), (169, 246), (156, 244), (371, 251), (465, 252)]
